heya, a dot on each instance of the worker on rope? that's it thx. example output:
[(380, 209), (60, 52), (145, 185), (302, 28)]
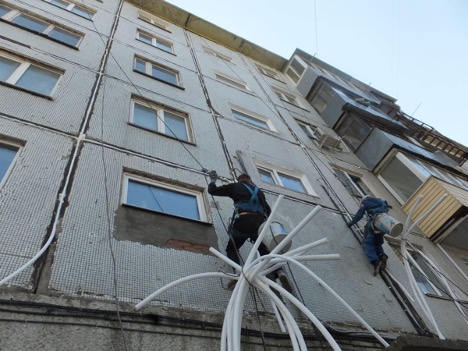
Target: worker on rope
[(251, 210), (373, 238)]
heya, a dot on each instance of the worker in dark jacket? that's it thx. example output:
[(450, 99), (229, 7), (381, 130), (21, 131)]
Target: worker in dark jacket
[(251, 210), (373, 239)]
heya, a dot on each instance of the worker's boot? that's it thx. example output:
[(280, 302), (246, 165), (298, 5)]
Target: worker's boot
[(283, 278), (383, 262), (232, 284), (377, 266)]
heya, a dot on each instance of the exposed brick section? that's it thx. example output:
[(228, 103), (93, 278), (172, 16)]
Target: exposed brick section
[(185, 245)]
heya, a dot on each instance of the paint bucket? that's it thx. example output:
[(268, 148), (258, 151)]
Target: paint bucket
[(389, 225), (275, 235)]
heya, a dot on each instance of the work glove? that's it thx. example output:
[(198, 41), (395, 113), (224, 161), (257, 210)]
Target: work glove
[(349, 224), (213, 176)]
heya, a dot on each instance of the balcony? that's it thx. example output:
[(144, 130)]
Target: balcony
[(448, 221)]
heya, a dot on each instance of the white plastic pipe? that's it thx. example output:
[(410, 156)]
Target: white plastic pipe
[(345, 304), (452, 261), (141, 304), (225, 259), (307, 247)]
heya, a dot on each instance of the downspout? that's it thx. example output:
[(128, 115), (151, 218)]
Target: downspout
[(72, 166)]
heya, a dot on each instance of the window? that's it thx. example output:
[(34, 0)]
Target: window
[(155, 41), (161, 119), (164, 198), (257, 121), (353, 183), (40, 26), (217, 54), (286, 97), (232, 82), (28, 76), (7, 156), (353, 130), (322, 97), (286, 180), (72, 7), (313, 132), (268, 72), (403, 175), (155, 21), (157, 71), (296, 69)]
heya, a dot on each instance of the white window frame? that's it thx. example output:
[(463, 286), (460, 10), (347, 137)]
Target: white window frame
[(268, 72), (10, 16), (253, 115), (287, 97), (149, 68), (217, 54), (355, 186), (314, 130), (277, 179), (22, 68), (154, 41), (159, 110), (71, 5), (293, 70), (10, 167), (175, 188), (155, 21), (232, 82)]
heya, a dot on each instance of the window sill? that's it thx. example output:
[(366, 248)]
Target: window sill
[(234, 87), (27, 91), (295, 105), (161, 134), (267, 131), (168, 214), (39, 34), (293, 191), (156, 26), (159, 80)]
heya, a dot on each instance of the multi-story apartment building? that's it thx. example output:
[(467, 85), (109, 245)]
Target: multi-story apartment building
[(110, 109)]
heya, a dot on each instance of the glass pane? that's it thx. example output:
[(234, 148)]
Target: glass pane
[(145, 117), (250, 120), (175, 125), (39, 80), (7, 67), (164, 75), (322, 98), (64, 36), (353, 131), (231, 82), (163, 45), (162, 200), (307, 131), (298, 67), (266, 176), (7, 154), (3, 10), (423, 170), (145, 38), (292, 75), (400, 178), (292, 183), (60, 3), (30, 23), (82, 12), (140, 65)]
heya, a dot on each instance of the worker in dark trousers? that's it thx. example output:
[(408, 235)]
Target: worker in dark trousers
[(251, 210), (373, 239)]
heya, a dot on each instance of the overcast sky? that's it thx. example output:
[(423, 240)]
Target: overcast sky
[(415, 51)]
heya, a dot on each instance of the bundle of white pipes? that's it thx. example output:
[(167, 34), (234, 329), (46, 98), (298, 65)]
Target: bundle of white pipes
[(254, 272)]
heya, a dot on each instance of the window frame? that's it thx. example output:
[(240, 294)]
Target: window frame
[(309, 190), (255, 116), (70, 7), (198, 194), (290, 68), (357, 190), (159, 109), (149, 68), (153, 20), (13, 161), (21, 70), (14, 13), (283, 96), (232, 82), (217, 54), (154, 41), (268, 72)]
